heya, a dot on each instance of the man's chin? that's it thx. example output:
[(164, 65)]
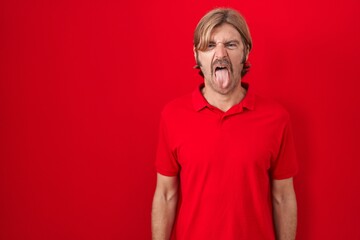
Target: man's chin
[(223, 90), (224, 87)]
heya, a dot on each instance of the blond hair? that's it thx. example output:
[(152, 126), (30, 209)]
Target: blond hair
[(215, 18)]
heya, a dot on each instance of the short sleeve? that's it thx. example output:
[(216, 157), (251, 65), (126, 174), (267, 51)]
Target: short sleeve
[(166, 161), (285, 165)]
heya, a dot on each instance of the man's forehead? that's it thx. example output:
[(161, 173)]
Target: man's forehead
[(225, 32)]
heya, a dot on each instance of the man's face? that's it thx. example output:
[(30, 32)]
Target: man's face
[(222, 61)]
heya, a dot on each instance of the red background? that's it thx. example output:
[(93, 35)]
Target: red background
[(83, 83)]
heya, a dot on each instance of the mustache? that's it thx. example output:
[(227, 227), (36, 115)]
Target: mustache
[(223, 63)]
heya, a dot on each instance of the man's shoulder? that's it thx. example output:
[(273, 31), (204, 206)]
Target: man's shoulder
[(271, 107), (178, 105)]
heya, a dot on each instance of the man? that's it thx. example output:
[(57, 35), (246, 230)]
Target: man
[(225, 158)]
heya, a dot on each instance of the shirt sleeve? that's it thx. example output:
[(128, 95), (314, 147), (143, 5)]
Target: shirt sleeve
[(285, 165), (166, 162)]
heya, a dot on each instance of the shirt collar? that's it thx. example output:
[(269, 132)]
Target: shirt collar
[(248, 102)]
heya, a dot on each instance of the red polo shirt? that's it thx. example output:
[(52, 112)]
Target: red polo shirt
[(225, 161)]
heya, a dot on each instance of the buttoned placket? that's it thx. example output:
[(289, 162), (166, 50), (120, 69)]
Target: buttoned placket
[(223, 116)]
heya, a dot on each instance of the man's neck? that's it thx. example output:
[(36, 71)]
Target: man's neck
[(221, 101)]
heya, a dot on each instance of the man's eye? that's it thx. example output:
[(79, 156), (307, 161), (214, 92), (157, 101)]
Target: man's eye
[(211, 45), (231, 45)]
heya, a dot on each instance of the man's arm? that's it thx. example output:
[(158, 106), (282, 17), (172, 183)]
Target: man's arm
[(164, 207), (284, 209)]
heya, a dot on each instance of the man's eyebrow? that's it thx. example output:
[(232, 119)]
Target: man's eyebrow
[(226, 42), (233, 41)]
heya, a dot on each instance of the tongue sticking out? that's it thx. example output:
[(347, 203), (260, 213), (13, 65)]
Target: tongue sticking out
[(222, 77)]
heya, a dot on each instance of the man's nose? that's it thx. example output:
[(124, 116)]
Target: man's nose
[(220, 50)]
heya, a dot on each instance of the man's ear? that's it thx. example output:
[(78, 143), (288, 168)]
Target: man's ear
[(196, 58), (246, 54), (195, 54)]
